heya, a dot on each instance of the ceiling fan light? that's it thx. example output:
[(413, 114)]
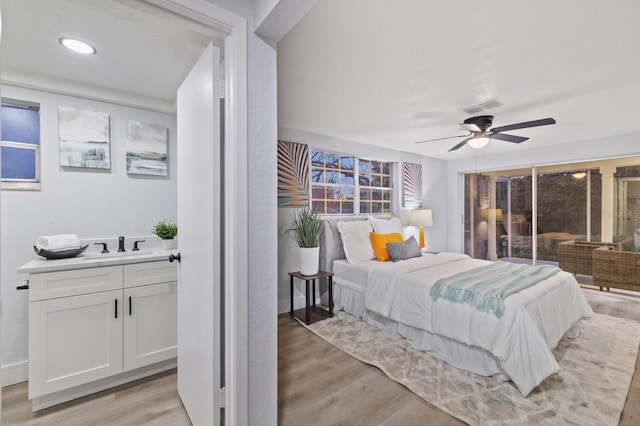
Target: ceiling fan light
[(77, 46), (478, 142)]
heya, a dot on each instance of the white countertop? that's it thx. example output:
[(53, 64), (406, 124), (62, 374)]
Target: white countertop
[(83, 261)]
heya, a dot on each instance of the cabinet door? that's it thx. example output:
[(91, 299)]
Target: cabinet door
[(74, 340), (150, 324)]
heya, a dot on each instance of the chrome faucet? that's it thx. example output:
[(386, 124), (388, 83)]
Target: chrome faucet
[(121, 244)]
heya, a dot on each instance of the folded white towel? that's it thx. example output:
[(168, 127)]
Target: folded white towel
[(58, 242)]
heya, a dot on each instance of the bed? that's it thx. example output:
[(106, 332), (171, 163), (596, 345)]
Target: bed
[(395, 297)]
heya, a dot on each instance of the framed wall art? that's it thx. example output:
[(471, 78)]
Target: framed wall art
[(412, 185), (84, 138), (146, 149), (293, 174)]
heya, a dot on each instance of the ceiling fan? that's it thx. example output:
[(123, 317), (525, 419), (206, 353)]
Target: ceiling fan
[(480, 134)]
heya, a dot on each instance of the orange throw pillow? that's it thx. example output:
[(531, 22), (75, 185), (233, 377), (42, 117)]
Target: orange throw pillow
[(379, 244)]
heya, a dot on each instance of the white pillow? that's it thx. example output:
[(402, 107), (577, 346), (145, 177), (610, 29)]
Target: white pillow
[(356, 241), (386, 226)]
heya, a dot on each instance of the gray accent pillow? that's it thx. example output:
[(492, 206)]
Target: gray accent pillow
[(404, 250)]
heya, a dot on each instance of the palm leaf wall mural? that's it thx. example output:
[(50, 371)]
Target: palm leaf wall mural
[(412, 183), (293, 174)]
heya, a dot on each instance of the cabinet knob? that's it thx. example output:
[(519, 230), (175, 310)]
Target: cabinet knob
[(173, 257)]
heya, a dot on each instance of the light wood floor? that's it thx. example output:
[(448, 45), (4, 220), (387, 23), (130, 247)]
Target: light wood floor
[(317, 385), (320, 385), (150, 401)]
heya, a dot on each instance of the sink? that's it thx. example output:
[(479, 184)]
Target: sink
[(111, 254)]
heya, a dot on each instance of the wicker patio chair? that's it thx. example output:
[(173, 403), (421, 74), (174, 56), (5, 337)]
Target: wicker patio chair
[(576, 256), (618, 269)]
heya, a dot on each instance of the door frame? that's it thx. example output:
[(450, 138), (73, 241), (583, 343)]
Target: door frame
[(622, 204), (235, 195)]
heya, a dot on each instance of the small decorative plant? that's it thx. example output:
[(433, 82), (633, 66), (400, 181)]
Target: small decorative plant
[(166, 230), (307, 227)]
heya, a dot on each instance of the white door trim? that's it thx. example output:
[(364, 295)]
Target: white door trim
[(236, 216), (236, 197)]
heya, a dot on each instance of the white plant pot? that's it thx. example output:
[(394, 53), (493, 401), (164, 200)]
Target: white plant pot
[(167, 244), (309, 260)]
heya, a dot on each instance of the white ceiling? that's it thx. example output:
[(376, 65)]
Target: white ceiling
[(144, 53), (372, 71), (391, 73)]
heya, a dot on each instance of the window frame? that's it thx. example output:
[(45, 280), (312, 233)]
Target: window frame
[(356, 186), (373, 188), (16, 183)]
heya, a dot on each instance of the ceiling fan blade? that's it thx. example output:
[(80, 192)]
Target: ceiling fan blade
[(471, 127), (461, 144), (508, 138), (440, 139), (524, 125)]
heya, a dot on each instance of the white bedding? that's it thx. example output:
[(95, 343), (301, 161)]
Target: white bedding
[(516, 346), (353, 275)]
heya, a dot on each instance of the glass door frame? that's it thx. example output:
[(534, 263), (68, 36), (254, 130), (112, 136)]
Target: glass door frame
[(622, 204)]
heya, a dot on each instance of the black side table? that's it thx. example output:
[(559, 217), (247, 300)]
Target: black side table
[(312, 313)]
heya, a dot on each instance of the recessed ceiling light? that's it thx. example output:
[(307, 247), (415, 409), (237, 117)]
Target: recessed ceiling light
[(77, 46)]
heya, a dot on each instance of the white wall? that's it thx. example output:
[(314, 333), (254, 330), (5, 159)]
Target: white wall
[(262, 153), (263, 315), (91, 203), (616, 146), (434, 197)]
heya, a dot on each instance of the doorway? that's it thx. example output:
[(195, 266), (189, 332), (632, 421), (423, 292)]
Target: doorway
[(235, 47)]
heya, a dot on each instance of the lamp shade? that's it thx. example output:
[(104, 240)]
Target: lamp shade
[(489, 214), (478, 142), (421, 217)]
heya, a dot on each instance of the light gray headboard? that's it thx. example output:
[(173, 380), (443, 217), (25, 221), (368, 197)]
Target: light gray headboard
[(331, 243)]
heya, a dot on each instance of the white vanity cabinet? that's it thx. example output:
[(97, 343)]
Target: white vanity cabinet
[(88, 326), (151, 313)]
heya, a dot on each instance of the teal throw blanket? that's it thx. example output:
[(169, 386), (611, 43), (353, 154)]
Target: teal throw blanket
[(486, 287)]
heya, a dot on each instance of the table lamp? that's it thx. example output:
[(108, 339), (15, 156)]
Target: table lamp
[(421, 218), (491, 214)]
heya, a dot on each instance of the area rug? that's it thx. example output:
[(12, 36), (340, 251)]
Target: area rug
[(590, 389)]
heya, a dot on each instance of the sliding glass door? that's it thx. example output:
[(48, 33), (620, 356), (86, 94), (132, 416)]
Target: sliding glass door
[(518, 214), (486, 204), (564, 209), (524, 214)]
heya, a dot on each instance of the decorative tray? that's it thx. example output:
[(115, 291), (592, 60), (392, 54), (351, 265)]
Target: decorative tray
[(63, 254)]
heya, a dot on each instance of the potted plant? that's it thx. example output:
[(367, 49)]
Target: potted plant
[(307, 227), (166, 230)]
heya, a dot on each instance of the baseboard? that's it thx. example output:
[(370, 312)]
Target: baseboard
[(59, 397), (12, 374)]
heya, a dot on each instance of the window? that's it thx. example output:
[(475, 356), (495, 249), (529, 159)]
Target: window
[(375, 186), (20, 145), (342, 184), (332, 183)]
